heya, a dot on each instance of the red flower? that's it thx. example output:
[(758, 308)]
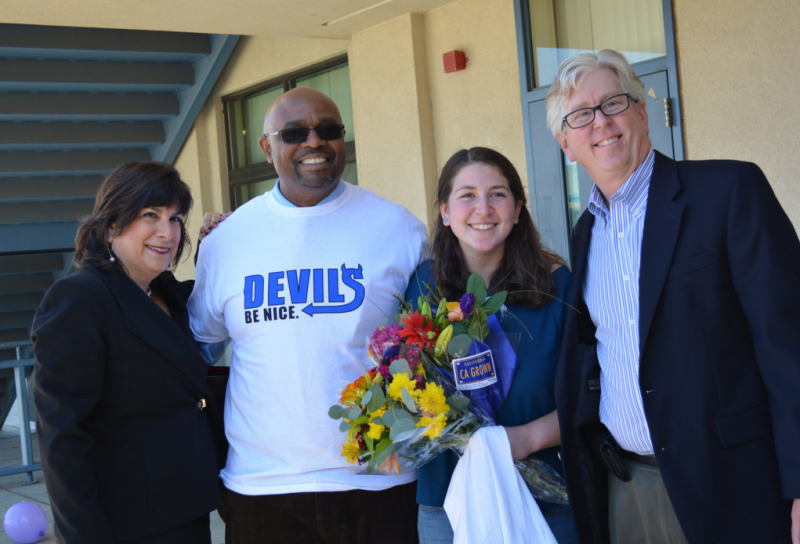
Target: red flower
[(416, 331)]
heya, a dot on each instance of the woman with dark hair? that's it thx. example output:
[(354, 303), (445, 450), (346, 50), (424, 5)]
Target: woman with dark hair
[(484, 227), (127, 452)]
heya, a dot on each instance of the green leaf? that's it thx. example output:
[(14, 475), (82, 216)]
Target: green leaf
[(475, 330), (402, 414), (495, 302), (459, 346), (378, 398), (408, 401), (459, 328), (344, 426), (477, 287), (400, 366), (366, 398), (458, 402), (401, 427), (377, 421), (336, 412), (353, 412), (388, 418), (370, 442), (361, 420)]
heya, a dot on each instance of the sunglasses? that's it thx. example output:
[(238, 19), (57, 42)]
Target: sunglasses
[(298, 135)]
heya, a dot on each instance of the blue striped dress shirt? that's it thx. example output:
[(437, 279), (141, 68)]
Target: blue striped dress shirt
[(611, 292)]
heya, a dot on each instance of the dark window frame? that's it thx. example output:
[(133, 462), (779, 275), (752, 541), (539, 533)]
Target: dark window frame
[(264, 170)]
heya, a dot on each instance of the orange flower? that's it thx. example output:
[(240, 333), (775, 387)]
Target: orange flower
[(416, 331), (356, 390)]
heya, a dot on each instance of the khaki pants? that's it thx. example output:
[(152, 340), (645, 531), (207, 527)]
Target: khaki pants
[(639, 511)]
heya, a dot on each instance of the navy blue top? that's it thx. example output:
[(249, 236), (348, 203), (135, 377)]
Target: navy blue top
[(531, 395)]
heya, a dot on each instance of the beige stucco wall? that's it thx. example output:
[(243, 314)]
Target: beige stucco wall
[(203, 158), (739, 68), (479, 106)]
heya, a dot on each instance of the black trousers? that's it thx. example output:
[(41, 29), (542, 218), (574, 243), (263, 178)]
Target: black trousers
[(194, 532), (341, 517)]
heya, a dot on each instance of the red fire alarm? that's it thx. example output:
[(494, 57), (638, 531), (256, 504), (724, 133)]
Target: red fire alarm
[(454, 61)]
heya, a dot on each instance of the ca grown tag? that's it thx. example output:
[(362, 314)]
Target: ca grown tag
[(475, 371)]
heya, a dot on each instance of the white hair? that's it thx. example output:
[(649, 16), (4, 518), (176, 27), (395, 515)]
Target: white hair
[(574, 69)]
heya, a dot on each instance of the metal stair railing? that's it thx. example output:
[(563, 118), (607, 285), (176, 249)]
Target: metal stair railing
[(19, 364)]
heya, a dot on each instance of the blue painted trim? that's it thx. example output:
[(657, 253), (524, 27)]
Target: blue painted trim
[(525, 58), (36, 237), (207, 70), (672, 78)]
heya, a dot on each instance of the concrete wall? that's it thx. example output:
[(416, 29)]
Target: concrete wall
[(739, 68)]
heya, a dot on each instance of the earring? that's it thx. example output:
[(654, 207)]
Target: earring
[(444, 219), (516, 220), (110, 255)]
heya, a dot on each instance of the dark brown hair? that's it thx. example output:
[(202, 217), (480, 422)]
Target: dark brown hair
[(124, 193), (525, 269)]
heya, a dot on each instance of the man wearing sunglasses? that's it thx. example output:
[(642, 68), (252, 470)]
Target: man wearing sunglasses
[(677, 390), (298, 278)]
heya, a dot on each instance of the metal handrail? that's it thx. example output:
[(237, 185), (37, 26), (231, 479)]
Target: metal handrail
[(19, 364)]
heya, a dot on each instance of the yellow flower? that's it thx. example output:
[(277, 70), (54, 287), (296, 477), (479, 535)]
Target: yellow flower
[(420, 371), (432, 400), (350, 451), (378, 413), (375, 431), (434, 425), (401, 380), (452, 306)]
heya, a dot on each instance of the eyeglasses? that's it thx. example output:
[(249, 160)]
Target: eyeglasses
[(298, 135), (610, 106)]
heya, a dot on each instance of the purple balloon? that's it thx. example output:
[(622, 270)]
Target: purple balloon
[(25, 522)]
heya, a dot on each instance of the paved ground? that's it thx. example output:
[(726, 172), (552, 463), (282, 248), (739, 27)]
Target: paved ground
[(14, 488)]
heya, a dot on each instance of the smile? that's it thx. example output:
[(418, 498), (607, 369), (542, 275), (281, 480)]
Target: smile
[(609, 141), (483, 226), (314, 161), (160, 250)]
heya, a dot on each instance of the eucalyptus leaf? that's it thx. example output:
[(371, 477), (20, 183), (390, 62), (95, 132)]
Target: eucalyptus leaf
[(377, 421), (344, 426), (366, 398), (495, 302), (459, 328), (400, 366), (353, 412), (408, 401), (360, 420), (388, 418), (477, 287), (458, 402), (459, 346), (405, 435), (402, 414), (378, 398), (400, 427), (336, 412)]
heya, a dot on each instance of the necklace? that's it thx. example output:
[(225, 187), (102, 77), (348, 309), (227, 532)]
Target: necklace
[(149, 292)]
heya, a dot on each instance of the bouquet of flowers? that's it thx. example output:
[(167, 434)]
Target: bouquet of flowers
[(435, 382)]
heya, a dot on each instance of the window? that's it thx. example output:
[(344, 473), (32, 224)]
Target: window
[(250, 174)]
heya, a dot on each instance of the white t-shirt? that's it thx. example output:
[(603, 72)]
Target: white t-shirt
[(299, 290)]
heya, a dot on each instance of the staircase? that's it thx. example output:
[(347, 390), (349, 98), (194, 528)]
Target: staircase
[(74, 104)]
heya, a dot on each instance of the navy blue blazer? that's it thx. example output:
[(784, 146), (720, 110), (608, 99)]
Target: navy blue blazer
[(126, 452), (719, 329)]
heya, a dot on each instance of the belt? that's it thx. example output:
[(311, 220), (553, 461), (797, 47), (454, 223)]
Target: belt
[(643, 459)]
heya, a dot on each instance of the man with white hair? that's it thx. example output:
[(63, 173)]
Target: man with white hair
[(680, 370)]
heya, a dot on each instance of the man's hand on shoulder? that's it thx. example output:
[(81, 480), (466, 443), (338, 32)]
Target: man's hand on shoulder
[(796, 522), (210, 222)]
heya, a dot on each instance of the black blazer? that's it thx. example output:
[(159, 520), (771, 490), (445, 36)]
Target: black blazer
[(126, 452), (719, 325)]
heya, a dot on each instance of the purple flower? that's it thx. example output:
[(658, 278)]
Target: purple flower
[(384, 336), (467, 304), (384, 370)]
